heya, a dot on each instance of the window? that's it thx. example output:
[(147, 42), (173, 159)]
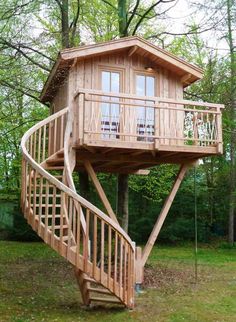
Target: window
[(145, 86), (110, 112)]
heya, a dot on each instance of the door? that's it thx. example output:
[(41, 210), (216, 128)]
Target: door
[(145, 86), (110, 112)]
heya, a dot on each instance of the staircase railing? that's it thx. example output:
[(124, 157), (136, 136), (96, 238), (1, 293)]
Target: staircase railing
[(46, 202)]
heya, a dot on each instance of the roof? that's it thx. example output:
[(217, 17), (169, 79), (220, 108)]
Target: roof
[(189, 72)]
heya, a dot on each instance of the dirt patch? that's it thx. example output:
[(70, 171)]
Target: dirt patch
[(164, 278)]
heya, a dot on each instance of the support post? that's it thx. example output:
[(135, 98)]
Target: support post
[(161, 218), (138, 267), (100, 190)]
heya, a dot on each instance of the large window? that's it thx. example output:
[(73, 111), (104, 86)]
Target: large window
[(110, 112), (145, 86)]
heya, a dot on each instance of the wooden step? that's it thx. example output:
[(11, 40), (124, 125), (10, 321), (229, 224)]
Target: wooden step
[(60, 153), (49, 205), (106, 299), (99, 290), (54, 167), (50, 216), (44, 195), (73, 248), (56, 160), (58, 227), (88, 279)]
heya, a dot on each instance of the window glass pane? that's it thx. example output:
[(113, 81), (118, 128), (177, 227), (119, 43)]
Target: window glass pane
[(110, 112), (145, 86), (106, 81), (150, 86), (115, 82), (140, 85)]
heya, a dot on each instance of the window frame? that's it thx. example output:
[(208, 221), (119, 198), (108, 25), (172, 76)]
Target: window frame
[(138, 72), (121, 72)]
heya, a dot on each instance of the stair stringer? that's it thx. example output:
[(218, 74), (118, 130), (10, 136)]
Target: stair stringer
[(46, 201)]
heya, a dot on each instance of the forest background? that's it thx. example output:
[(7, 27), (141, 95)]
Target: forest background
[(203, 32)]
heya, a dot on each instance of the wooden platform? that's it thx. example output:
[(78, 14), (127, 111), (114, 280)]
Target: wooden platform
[(127, 160)]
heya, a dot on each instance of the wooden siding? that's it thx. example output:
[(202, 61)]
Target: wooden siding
[(60, 100), (88, 75)]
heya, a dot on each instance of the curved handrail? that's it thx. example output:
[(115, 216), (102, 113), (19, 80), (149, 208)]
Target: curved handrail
[(45, 199), (59, 184)]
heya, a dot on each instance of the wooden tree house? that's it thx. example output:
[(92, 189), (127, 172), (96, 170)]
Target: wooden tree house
[(116, 107)]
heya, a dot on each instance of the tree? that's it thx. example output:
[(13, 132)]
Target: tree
[(230, 5)]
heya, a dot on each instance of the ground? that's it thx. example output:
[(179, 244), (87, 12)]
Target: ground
[(38, 285)]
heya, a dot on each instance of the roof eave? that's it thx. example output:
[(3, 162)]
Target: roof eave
[(68, 55)]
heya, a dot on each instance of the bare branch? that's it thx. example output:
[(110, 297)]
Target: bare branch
[(21, 124), (74, 22), (22, 91), (110, 4), (17, 48), (38, 52), (13, 12), (59, 4), (147, 12), (132, 15)]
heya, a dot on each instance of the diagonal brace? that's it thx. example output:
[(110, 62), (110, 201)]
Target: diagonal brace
[(161, 218), (100, 190)]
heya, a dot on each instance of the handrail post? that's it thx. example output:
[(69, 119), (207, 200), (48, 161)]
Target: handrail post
[(80, 115), (219, 131), (157, 124)]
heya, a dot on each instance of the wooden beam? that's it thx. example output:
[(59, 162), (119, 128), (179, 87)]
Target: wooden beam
[(185, 78), (142, 172), (90, 148), (100, 190), (156, 230), (132, 50)]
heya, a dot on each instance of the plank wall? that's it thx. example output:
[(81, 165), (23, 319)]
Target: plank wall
[(86, 73)]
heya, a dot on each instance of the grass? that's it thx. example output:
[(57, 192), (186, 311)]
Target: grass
[(38, 285)]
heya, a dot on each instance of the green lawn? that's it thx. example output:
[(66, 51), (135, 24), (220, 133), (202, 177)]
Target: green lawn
[(38, 285)]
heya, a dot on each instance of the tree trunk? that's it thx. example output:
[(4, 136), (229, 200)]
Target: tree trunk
[(232, 118), (122, 14), (65, 41), (84, 185), (123, 200), (123, 188)]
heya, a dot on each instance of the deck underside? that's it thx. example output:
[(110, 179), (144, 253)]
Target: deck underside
[(130, 160)]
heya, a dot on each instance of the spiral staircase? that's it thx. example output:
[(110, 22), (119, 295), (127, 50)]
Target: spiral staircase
[(101, 252)]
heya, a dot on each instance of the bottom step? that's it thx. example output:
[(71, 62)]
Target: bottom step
[(106, 299), (99, 290)]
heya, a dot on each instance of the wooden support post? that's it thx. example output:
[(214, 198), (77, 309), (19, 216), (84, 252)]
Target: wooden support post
[(156, 230), (157, 113), (138, 266), (100, 190)]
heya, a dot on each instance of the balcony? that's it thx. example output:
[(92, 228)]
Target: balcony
[(186, 129)]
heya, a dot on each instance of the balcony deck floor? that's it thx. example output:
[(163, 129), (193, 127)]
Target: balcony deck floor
[(114, 159)]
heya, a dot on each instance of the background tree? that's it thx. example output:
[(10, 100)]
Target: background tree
[(32, 33)]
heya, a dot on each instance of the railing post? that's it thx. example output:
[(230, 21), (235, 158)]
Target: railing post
[(23, 186), (80, 109), (157, 125), (195, 128), (219, 131)]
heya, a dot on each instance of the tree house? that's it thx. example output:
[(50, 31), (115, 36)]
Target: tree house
[(116, 107)]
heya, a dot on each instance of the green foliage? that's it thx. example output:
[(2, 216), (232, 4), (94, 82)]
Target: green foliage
[(29, 42)]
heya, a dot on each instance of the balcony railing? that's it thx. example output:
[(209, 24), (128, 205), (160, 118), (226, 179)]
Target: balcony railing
[(150, 120)]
